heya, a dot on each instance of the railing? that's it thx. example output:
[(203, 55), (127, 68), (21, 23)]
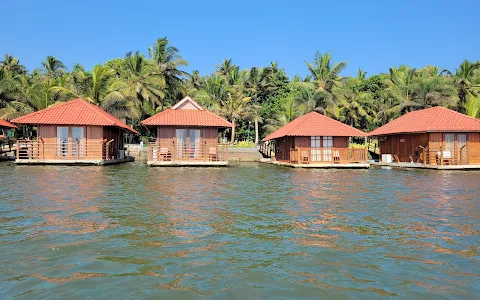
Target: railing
[(267, 149), (328, 155), (84, 150), (449, 156), (199, 152)]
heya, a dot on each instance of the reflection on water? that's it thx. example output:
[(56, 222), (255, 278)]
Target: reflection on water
[(247, 231)]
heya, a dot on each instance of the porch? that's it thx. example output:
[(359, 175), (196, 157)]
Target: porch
[(326, 158), (78, 152), (451, 158), (328, 155), (169, 154)]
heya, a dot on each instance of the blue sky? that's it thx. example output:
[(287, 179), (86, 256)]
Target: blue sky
[(373, 35)]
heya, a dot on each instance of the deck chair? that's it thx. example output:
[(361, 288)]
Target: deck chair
[(212, 154), (165, 154), (447, 157), (336, 156)]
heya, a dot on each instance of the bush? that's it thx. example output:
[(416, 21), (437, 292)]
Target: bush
[(244, 144)]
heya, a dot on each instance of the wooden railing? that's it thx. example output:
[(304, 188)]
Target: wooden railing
[(85, 150), (328, 155), (267, 149), (202, 152), (455, 156)]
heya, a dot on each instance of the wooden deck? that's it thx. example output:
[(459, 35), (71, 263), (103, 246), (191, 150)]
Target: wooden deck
[(405, 165), (198, 155), (319, 165), (37, 152), (84, 162)]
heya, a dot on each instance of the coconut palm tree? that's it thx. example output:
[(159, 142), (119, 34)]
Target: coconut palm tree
[(472, 106), (11, 65), (141, 80), (466, 79), (168, 62), (325, 77), (53, 67), (290, 109), (234, 106)]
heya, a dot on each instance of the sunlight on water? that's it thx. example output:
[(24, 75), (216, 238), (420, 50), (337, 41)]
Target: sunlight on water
[(246, 231)]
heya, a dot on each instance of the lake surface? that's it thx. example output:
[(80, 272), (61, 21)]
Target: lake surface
[(257, 231)]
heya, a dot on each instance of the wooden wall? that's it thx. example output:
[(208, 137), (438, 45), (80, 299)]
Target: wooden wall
[(473, 148), (115, 134), (284, 144), (48, 133), (405, 147), (166, 134), (340, 142)]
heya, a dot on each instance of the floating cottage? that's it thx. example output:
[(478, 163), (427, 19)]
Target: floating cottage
[(74, 132), (5, 141), (4, 128), (187, 135), (315, 140), (435, 137)]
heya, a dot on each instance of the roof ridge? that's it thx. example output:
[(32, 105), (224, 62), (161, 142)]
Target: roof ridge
[(305, 119), (456, 112), (98, 111)]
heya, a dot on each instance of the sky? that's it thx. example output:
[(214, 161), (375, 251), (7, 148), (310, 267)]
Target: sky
[(372, 35)]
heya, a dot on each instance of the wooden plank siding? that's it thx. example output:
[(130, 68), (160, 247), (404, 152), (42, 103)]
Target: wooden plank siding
[(408, 147), (92, 134), (473, 146), (284, 145), (166, 134)]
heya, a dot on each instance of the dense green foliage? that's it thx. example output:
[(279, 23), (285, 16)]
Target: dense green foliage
[(257, 100)]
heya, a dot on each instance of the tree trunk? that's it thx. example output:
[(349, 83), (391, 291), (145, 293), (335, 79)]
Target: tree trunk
[(233, 132), (256, 132)]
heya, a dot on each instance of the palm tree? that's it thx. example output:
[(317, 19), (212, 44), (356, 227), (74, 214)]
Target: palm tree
[(100, 87), (472, 106), (325, 77), (168, 61), (234, 106), (142, 81), (53, 67), (290, 109), (466, 79), (11, 65), (357, 106), (252, 114), (400, 90)]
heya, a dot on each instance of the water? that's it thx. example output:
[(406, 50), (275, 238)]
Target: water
[(251, 231)]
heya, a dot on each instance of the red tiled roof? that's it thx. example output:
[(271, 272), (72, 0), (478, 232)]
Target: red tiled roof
[(4, 123), (314, 124), (435, 119), (73, 112), (195, 116)]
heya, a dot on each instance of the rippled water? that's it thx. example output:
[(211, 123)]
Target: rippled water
[(252, 230)]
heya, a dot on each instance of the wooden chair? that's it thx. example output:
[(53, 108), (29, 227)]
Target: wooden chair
[(212, 154), (165, 154), (336, 156)]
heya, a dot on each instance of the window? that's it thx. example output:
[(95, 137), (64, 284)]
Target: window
[(315, 142), (62, 141), (327, 142)]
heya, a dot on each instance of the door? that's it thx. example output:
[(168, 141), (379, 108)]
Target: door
[(194, 143), (327, 145), (78, 138), (62, 141), (462, 148), (315, 151), (181, 142)]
